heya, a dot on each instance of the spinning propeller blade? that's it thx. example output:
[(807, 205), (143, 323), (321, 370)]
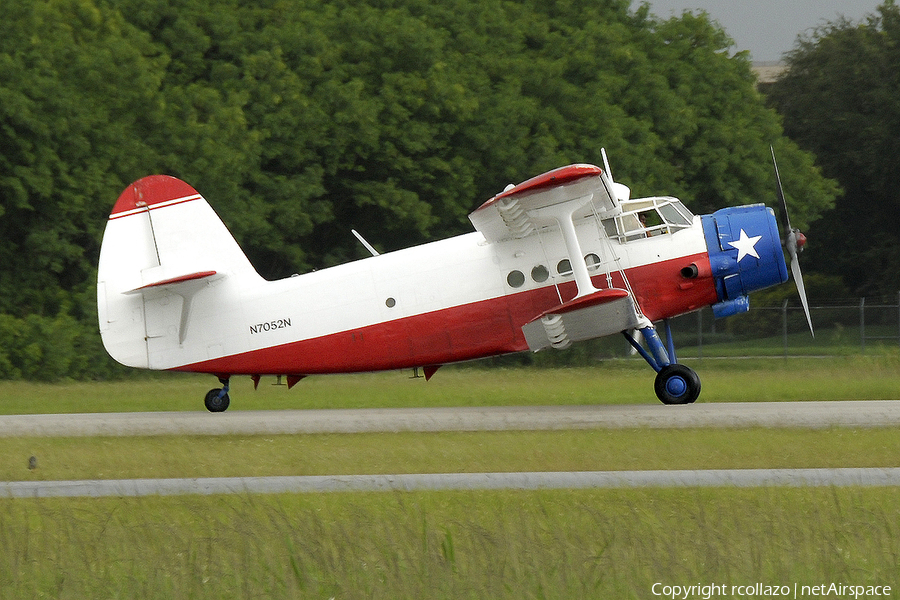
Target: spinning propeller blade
[(793, 241)]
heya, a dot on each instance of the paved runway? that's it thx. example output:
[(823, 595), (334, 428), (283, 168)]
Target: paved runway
[(454, 481), (878, 413)]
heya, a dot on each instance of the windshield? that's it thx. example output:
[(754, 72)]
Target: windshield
[(648, 217)]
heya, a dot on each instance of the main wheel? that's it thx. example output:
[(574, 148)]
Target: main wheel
[(216, 402), (677, 384)]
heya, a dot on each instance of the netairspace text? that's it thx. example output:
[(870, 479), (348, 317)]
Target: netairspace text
[(761, 590)]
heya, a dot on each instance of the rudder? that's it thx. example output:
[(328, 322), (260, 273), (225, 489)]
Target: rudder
[(162, 246)]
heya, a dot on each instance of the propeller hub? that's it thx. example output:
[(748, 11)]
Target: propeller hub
[(801, 240)]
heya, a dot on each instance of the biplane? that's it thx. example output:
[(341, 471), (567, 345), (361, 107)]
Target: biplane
[(563, 257)]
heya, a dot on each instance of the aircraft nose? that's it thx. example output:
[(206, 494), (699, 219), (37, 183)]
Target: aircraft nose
[(745, 254)]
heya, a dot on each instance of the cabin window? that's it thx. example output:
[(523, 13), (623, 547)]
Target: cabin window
[(540, 274), (515, 279), (564, 267), (632, 222), (390, 303), (610, 226), (592, 261)]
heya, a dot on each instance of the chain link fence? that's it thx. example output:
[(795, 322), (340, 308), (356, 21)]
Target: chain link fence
[(843, 326), (846, 325)]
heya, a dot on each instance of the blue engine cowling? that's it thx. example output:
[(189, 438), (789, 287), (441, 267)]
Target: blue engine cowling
[(745, 254)]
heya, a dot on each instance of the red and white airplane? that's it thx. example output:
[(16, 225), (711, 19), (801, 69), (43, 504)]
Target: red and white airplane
[(563, 257)]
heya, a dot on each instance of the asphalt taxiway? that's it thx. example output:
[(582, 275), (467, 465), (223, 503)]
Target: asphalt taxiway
[(866, 477), (812, 414)]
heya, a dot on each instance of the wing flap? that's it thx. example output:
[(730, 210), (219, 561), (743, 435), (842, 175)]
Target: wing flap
[(595, 315)]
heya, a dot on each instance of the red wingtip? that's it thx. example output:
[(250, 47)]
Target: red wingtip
[(559, 176), (152, 190), (556, 177)]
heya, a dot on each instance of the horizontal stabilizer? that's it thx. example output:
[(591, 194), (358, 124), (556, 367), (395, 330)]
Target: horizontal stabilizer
[(602, 313), (174, 281)]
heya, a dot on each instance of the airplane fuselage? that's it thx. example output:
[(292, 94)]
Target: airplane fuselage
[(446, 301)]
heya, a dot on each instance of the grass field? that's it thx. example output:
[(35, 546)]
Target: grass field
[(875, 377), (446, 452), (486, 544), (559, 544)]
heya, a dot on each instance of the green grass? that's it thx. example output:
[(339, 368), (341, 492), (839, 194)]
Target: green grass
[(449, 452), (485, 544), (549, 544), (865, 377), (828, 342)]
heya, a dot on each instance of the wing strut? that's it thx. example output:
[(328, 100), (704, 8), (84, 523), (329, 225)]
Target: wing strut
[(563, 214)]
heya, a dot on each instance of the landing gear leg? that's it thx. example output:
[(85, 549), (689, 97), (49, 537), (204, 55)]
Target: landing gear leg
[(675, 383), (217, 399)]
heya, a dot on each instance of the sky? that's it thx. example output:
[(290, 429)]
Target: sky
[(767, 28)]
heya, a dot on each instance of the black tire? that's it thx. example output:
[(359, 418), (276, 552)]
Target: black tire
[(215, 403), (677, 384)]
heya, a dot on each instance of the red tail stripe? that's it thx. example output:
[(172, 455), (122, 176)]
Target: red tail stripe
[(151, 191)]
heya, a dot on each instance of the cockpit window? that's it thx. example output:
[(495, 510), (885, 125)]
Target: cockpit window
[(673, 215), (648, 217)]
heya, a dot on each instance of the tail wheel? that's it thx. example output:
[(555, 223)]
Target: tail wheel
[(217, 400), (677, 384)]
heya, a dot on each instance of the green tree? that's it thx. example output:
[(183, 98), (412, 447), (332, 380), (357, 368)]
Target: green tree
[(74, 88), (299, 120), (399, 117), (840, 99)]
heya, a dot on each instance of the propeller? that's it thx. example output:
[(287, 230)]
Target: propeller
[(793, 241)]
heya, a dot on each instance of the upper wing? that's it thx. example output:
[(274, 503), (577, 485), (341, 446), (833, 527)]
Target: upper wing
[(506, 215)]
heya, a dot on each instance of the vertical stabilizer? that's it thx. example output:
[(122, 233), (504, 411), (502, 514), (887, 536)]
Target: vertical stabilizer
[(163, 251)]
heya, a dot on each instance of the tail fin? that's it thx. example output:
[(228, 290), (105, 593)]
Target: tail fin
[(163, 245)]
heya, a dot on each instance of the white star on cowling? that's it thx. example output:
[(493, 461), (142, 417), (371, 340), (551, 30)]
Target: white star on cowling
[(745, 245)]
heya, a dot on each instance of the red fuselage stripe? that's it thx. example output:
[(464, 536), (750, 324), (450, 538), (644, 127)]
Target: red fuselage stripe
[(464, 332)]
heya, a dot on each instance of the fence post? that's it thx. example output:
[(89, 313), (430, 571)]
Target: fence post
[(862, 324)]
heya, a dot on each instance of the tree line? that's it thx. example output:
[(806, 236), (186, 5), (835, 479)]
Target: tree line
[(840, 99), (299, 120)]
